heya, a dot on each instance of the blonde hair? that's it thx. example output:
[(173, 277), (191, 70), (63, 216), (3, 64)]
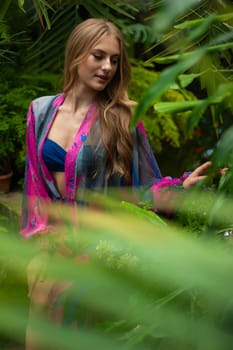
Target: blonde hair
[(114, 105)]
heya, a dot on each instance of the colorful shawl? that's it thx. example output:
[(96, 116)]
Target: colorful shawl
[(85, 166)]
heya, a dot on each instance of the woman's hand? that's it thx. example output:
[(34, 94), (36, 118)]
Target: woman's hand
[(197, 175)]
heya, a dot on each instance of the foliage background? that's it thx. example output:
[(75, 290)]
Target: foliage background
[(151, 282), (33, 36)]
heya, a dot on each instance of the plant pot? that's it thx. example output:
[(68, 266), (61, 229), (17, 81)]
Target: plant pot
[(5, 182)]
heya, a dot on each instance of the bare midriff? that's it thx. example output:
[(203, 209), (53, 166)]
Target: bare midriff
[(59, 178)]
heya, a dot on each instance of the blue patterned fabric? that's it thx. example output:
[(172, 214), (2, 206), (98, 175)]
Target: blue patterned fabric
[(54, 156)]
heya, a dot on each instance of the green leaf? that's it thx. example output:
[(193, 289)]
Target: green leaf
[(176, 107), (194, 22), (220, 47), (170, 10), (185, 79), (119, 10), (21, 4), (196, 116), (165, 80), (212, 48), (170, 59), (223, 91), (143, 213), (4, 5), (201, 29)]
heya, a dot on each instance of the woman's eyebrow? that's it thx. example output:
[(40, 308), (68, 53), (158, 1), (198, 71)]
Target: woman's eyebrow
[(104, 52)]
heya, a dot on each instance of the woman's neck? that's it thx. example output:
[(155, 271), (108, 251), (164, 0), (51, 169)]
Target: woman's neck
[(79, 100)]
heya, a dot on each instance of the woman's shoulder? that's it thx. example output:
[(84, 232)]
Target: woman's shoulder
[(139, 128), (41, 104)]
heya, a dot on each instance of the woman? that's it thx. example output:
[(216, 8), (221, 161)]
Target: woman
[(80, 140)]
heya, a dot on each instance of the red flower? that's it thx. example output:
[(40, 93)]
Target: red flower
[(199, 149), (197, 132)]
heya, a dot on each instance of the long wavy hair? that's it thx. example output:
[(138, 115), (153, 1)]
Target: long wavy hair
[(113, 102)]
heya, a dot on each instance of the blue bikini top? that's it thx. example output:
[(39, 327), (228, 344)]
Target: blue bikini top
[(53, 156)]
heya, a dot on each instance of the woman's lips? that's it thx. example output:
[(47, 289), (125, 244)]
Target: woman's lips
[(102, 78)]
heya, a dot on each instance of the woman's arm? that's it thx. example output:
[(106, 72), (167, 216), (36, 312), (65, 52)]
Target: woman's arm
[(35, 197), (166, 191)]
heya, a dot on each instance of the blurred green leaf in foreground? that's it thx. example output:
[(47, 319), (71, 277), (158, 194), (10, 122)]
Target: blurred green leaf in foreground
[(146, 285)]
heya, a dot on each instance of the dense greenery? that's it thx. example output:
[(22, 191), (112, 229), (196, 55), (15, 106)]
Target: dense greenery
[(147, 284), (16, 94), (33, 36), (150, 283)]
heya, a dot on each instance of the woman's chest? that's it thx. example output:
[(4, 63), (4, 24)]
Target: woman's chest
[(64, 128)]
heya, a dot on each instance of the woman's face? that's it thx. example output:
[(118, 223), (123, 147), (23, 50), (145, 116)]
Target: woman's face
[(100, 66)]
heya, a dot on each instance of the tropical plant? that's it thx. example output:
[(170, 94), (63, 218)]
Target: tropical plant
[(32, 39), (57, 19), (198, 43), (147, 284), (16, 94), (164, 127)]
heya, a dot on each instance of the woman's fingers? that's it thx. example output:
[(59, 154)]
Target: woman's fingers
[(223, 170), (197, 175), (202, 169)]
